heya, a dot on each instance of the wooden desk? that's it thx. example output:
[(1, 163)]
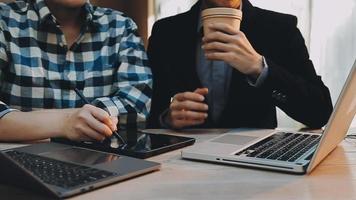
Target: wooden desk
[(335, 178)]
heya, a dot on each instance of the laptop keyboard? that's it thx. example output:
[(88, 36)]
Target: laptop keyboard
[(54, 172), (282, 146)]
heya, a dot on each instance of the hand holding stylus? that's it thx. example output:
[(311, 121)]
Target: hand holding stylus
[(88, 122)]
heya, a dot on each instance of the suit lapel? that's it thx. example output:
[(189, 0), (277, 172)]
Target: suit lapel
[(188, 49), (248, 16)]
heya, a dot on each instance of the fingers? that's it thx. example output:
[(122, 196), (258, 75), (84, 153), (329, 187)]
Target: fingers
[(202, 91), (88, 132), (184, 118), (219, 47), (190, 101), (89, 123), (188, 115), (98, 120), (224, 33), (102, 116), (188, 109), (232, 47), (98, 113), (219, 37), (225, 28), (98, 126), (191, 96), (188, 105), (223, 56), (82, 132)]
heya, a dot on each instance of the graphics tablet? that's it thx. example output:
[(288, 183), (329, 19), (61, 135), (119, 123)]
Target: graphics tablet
[(136, 143)]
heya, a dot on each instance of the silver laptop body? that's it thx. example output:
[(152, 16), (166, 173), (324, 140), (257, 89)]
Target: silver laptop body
[(293, 152), (99, 169)]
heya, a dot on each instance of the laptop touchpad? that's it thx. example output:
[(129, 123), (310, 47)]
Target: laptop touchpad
[(81, 156), (234, 139)]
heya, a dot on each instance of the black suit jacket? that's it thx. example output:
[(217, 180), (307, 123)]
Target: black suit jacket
[(292, 83)]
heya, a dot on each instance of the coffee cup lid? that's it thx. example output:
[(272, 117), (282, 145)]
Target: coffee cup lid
[(221, 11)]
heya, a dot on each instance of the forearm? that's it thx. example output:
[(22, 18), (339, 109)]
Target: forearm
[(37, 125)]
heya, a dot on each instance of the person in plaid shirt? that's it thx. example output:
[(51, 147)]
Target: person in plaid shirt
[(48, 48)]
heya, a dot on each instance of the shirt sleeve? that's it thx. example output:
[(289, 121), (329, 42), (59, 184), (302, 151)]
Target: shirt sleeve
[(4, 109), (262, 77), (133, 81)]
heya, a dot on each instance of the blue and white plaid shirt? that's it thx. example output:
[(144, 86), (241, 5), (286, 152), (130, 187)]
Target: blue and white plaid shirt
[(39, 71)]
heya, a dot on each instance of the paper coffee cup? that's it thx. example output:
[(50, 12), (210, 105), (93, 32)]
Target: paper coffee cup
[(230, 16)]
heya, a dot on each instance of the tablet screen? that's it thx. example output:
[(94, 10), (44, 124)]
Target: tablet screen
[(136, 143)]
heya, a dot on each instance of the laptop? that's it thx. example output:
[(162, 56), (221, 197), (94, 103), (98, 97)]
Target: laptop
[(60, 171), (292, 152)]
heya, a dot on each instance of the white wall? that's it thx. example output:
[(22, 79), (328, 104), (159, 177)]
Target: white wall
[(299, 8), (165, 8), (333, 41)]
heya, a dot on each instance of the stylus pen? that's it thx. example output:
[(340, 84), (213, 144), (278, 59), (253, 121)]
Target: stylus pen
[(82, 97)]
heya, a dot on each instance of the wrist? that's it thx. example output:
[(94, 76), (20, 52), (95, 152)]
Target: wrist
[(258, 68), (63, 126)]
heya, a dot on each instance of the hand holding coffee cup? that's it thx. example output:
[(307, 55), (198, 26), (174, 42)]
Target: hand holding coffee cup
[(224, 41)]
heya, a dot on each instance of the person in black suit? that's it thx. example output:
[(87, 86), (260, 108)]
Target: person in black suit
[(248, 72)]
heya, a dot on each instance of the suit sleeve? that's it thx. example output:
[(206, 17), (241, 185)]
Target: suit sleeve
[(295, 87), (160, 95)]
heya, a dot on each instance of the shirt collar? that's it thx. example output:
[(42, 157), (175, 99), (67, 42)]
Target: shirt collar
[(200, 23), (45, 14), (42, 10)]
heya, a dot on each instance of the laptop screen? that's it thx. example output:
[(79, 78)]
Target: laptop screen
[(340, 120)]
